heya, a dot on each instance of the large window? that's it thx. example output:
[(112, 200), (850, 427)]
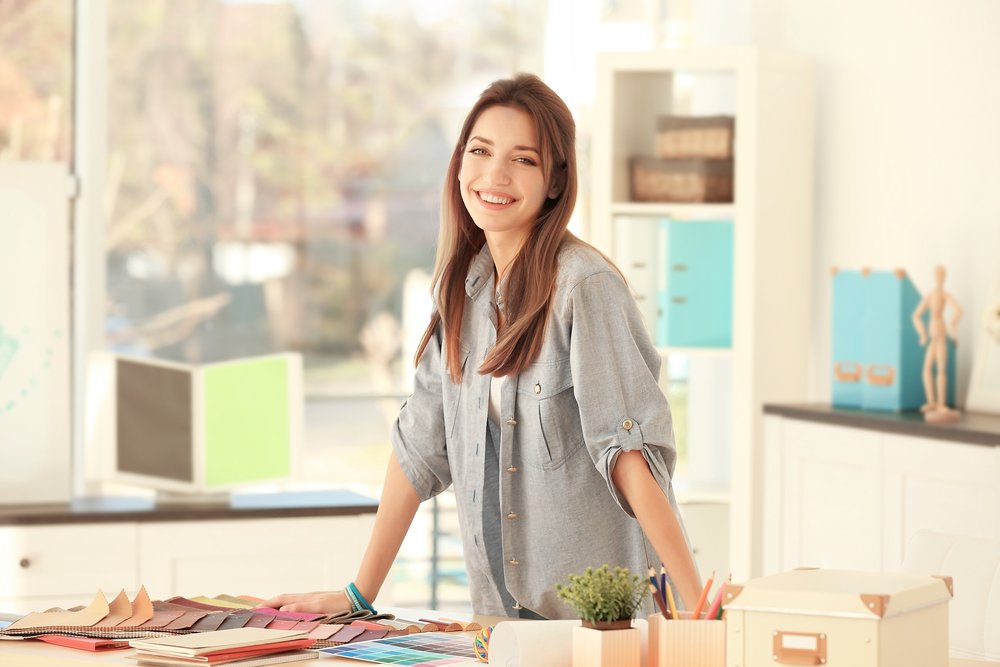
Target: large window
[(274, 181), (36, 77)]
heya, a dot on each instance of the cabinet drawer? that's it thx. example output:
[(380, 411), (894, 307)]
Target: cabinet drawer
[(67, 559)]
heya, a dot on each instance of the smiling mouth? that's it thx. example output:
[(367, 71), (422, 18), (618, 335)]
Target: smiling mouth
[(496, 199)]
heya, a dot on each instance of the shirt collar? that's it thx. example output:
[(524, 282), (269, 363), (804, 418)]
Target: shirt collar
[(480, 272)]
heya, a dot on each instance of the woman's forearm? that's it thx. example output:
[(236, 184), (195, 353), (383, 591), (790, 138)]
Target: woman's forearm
[(396, 510), (634, 480)]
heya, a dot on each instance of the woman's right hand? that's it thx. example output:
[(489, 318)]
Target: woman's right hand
[(332, 603)]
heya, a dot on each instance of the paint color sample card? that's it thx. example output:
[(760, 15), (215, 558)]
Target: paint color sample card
[(426, 649)]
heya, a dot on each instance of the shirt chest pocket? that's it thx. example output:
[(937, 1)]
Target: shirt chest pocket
[(552, 429), (451, 395)]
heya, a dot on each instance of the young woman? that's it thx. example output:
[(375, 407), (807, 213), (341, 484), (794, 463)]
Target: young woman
[(536, 389)]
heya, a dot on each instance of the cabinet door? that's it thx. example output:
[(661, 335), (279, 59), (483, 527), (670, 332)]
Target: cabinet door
[(832, 509), (65, 565), (937, 485), (260, 557)]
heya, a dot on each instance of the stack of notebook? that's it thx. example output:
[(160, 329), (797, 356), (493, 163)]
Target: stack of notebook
[(239, 647)]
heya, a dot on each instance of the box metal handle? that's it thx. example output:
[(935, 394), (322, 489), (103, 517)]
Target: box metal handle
[(799, 648), (881, 375), (848, 371)]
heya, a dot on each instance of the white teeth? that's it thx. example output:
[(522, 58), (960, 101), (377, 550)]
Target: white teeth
[(494, 199)]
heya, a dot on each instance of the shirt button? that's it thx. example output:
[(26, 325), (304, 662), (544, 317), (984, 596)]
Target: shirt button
[(511, 422), (512, 469), (512, 515), (513, 561), (517, 605), (627, 424), (538, 388)]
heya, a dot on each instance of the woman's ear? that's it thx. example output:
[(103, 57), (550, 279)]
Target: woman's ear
[(558, 181)]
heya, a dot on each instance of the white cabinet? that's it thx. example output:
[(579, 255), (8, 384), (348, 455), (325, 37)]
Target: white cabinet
[(770, 94), (65, 564), (262, 557), (46, 566), (850, 497), (947, 487)]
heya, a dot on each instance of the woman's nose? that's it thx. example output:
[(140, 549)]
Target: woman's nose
[(498, 172)]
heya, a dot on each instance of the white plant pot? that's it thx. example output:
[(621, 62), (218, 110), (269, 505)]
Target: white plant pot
[(605, 648)]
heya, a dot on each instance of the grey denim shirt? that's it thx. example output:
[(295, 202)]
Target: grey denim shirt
[(591, 393)]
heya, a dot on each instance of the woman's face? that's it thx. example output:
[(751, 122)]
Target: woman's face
[(502, 179)]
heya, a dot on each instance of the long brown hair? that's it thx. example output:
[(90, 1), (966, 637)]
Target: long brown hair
[(531, 277)]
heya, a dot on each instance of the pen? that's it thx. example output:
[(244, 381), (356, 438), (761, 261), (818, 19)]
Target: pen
[(704, 596)]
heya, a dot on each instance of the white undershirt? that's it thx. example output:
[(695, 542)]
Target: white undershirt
[(496, 382)]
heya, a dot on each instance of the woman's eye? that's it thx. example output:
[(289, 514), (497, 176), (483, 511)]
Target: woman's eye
[(478, 151), (526, 160)]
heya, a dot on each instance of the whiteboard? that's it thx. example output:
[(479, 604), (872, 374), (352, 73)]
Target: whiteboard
[(35, 450)]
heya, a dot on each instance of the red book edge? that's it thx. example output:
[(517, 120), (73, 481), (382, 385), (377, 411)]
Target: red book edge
[(84, 643)]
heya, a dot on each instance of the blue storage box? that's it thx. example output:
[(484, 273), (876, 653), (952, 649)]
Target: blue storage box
[(891, 348), (873, 333), (848, 338), (696, 289)]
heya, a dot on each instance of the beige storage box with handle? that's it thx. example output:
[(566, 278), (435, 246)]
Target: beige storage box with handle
[(838, 619)]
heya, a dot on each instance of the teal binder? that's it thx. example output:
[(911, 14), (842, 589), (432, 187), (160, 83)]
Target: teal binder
[(696, 292), (848, 338)]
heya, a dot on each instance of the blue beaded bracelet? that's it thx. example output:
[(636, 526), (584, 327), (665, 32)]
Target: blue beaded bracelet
[(355, 605), (358, 601)]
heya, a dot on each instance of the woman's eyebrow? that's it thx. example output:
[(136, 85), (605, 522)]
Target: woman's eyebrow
[(517, 148)]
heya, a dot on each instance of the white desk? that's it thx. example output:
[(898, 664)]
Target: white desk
[(40, 654)]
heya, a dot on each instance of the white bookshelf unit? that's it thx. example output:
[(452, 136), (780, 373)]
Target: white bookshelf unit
[(770, 94)]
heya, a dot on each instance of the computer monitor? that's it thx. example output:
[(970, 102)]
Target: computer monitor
[(208, 428)]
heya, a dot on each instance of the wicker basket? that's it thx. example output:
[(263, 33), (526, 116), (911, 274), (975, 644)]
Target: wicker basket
[(655, 180), (680, 137)]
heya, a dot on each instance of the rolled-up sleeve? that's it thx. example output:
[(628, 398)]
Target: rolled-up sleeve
[(418, 436), (615, 371)]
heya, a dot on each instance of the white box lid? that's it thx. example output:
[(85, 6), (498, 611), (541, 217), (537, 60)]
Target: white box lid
[(838, 593)]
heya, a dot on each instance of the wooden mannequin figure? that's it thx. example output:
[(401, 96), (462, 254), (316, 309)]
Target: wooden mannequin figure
[(936, 301)]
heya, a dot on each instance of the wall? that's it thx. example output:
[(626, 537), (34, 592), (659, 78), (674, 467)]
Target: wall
[(908, 141)]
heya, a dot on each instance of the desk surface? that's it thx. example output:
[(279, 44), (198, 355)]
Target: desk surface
[(39, 654)]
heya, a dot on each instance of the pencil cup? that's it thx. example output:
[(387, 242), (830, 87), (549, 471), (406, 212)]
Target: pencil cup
[(686, 642)]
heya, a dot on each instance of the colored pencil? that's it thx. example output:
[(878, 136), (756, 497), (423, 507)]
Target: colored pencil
[(659, 604), (716, 607), (704, 596), (663, 583), (670, 601)]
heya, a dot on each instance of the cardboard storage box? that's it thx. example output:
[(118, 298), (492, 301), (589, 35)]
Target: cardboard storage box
[(838, 619), (682, 137), (692, 181)]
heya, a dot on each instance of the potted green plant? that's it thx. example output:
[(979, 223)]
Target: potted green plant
[(606, 601)]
